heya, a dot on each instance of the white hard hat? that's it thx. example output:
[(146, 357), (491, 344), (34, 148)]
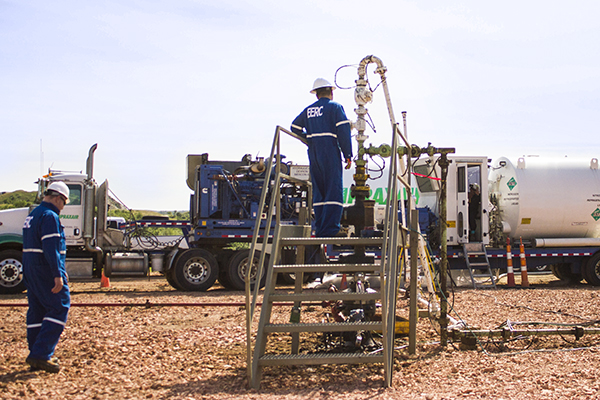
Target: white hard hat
[(61, 188), (321, 83)]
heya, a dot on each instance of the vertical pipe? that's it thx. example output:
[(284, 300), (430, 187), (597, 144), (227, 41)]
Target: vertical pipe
[(413, 314), (443, 253)]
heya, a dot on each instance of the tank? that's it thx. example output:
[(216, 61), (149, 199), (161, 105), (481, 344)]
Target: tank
[(547, 198)]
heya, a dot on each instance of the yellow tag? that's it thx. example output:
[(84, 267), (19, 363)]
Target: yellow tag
[(525, 221), (451, 224)]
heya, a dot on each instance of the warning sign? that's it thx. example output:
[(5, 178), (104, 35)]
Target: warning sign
[(596, 214), (512, 183)]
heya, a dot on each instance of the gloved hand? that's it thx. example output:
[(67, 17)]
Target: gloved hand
[(348, 163)]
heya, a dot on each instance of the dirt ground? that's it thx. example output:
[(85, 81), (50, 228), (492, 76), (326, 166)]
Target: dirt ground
[(128, 351)]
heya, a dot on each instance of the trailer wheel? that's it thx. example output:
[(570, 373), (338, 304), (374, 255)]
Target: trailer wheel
[(223, 259), (289, 278), (592, 270), (563, 272), (195, 270), (238, 268), (11, 272), (170, 276)]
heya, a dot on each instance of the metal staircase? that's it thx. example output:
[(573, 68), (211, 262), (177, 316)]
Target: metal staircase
[(297, 237), (303, 296), (478, 265)]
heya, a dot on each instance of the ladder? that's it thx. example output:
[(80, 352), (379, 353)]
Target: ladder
[(303, 296), (298, 236), (288, 236), (478, 265)]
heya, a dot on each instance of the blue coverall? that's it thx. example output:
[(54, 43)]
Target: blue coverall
[(44, 252), (327, 129)]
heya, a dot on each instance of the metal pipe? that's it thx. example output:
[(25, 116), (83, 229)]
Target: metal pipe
[(506, 333), (443, 254), (567, 242), (90, 162), (413, 309), (90, 208)]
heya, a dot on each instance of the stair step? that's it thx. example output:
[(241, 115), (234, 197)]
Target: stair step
[(327, 267), (473, 247), (320, 358), (476, 264), (326, 327), (324, 296), (351, 241), (490, 286)]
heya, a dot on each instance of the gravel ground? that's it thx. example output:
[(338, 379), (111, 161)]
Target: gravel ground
[(192, 352)]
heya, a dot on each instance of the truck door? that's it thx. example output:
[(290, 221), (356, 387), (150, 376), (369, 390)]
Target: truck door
[(462, 203), (71, 217)]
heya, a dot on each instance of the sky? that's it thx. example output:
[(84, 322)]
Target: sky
[(153, 81)]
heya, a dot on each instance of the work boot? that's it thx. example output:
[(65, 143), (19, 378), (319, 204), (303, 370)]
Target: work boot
[(46, 365), (343, 232)]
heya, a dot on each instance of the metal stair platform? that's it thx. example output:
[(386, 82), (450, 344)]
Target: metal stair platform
[(320, 358), (302, 295), (479, 266), (324, 327), (292, 268)]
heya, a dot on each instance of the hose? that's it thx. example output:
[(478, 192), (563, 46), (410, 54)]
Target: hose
[(149, 304)]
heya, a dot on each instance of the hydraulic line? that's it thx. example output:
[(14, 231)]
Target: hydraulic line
[(150, 304)]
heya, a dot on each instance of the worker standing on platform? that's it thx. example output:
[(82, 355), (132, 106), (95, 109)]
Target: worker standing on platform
[(327, 129), (44, 253)]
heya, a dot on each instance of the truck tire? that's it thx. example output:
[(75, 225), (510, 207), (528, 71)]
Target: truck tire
[(592, 270), (223, 259), (11, 272), (195, 270), (238, 267), (563, 272), (288, 278), (170, 276)]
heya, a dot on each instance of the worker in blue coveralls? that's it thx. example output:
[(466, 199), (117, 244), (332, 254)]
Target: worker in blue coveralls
[(327, 129), (44, 252)]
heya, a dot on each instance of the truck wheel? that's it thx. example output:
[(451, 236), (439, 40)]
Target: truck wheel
[(563, 272), (11, 272), (170, 276), (592, 270), (223, 259), (290, 278), (238, 268), (195, 270)]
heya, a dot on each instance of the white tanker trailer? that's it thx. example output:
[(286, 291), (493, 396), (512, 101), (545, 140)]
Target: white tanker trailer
[(552, 205), (541, 198)]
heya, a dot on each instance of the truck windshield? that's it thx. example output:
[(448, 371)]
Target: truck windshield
[(74, 193)]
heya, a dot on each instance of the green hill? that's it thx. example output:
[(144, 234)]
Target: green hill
[(16, 199), (21, 198)]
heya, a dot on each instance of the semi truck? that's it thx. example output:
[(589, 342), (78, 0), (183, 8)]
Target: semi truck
[(551, 205), (223, 210)]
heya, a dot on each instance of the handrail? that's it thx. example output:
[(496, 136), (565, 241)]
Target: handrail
[(391, 230), (274, 204)]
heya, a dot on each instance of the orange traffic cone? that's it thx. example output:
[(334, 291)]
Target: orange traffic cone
[(104, 281), (524, 278), (510, 273), (344, 284)]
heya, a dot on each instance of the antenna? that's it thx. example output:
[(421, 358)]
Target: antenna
[(41, 159)]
